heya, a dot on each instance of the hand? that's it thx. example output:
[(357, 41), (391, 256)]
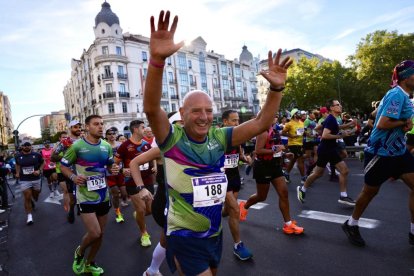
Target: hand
[(79, 180), (145, 195), (162, 40), (154, 170), (248, 159), (115, 169), (126, 172), (408, 125), (277, 72), (36, 173)]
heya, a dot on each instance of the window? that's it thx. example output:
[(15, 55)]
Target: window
[(170, 77), (214, 68), (183, 78), (190, 65), (118, 50), (237, 72), (173, 107), (108, 87), (182, 62), (172, 93), (144, 56), (111, 108), (225, 84), (122, 88), (145, 73), (169, 60), (105, 50), (120, 69), (124, 107), (204, 82), (107, 69)]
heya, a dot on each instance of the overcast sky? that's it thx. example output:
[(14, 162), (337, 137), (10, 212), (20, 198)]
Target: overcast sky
[(38, 39)]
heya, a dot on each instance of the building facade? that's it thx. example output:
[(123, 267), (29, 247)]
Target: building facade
[(109, 77), (54, 122), (6, 121)]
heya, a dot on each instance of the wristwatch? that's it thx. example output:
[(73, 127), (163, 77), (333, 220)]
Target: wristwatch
[(140, 188)]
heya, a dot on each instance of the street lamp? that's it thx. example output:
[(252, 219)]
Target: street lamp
[(16, 131)]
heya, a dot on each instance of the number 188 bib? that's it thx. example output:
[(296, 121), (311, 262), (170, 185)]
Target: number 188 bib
[(209, 190)]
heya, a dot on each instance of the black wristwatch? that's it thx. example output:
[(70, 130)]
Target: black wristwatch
[(140, 188)]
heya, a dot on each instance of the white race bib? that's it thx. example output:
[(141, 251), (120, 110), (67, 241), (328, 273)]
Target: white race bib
[(209, 190), (276, 153), (28, 170), (144, 167), (300, 131), (340, 140), (231, 161), (95, 182)]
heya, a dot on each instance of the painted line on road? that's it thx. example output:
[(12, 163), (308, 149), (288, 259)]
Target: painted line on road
[(257, 206), (358, 174), (55, 199), (336, 218)]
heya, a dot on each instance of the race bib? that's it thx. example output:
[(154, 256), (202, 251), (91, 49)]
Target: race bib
[(52, 165), (95, 182), (209, 190), (340, 140), (276, 153), (144, 167), (231, 161), (28, 170), (300, 131)]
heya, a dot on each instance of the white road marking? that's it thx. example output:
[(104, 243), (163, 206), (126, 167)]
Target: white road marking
[(55, 199), (257, 206), (329, 217), (358, 174)]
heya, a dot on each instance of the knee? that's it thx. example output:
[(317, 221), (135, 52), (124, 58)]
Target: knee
[(261, 197), (95, 234), (345, 172)]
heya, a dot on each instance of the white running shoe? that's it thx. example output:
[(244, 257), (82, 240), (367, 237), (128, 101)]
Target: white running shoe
[(51, 195), (56, 193), (124, 203), (2, 211), (29, 219)]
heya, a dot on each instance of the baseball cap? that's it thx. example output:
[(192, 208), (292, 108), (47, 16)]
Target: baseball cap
[(175, 117), (303, 112), (294, 111), (323, 110), (74, 123), (26, 144)]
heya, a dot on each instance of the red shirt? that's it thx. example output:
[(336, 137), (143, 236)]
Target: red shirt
[(128, 151)]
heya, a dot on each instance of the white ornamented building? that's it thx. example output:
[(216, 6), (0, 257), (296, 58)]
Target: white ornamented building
[(109, 77)]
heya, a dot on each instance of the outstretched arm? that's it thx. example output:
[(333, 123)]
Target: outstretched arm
[(161, 46), (276, 75)]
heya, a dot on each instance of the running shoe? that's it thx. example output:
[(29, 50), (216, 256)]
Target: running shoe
[(93, 269), (146, 273), (29, 219), (411, 238), (353, 234), (51, 195), (243, 211), (242, 252), (124, 203), (78, 262), (119, 218), (2, 211), (300, 194), (71, 216), (303, 179), (346, 200), (292, 229), (145, 240)]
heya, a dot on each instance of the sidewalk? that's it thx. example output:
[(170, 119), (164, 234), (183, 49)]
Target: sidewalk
[(4, 232)]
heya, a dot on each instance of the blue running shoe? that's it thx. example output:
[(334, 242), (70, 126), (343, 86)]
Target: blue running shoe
[(242, 252)]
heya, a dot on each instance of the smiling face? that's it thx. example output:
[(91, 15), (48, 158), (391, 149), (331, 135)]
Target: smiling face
[(197, 114)]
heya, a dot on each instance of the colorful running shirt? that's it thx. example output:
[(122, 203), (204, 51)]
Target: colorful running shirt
[(196, 181), (391, 142), (128, 151), (295, 130), (310, 131), (91, 161), (47, 154), (329, 145), (28, 164)]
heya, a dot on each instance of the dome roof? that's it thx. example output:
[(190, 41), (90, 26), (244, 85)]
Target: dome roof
[(246, 55), (106, 15)]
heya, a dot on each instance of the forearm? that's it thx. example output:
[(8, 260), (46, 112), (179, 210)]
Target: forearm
[(67, 172), (270, 107), (153, 88), (389, 123)]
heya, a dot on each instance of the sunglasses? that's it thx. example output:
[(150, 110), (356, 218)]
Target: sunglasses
[(111, 133)]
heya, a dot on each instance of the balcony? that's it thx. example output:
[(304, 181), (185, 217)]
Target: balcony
[(110, 58), (122, 76), (107, 95), (174, 97), (216, 85), (93, 102), (254, 90), (164, 96), (172, 81), (217, 98), (224, 77), (193, 83), (227, 98), (255, 101), (107, 76), (123, 94)]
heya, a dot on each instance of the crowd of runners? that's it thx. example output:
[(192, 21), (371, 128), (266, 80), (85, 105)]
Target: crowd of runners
[(195, 165)]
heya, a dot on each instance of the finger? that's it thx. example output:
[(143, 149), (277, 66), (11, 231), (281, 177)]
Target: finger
[(265, 74), (160, 20), (152, 24), (284, 61), (277, 58), (269, 59), (288, 64), (178, 46), (167, 20), (174, 24)]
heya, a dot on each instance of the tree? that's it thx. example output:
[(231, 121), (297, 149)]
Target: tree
[(46, 134)]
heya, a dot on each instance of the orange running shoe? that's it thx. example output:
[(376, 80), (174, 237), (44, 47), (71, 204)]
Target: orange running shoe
[(292, 229), (243, 211)]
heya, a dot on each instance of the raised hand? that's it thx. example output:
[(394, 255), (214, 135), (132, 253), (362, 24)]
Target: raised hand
[(162, 39), (277, 72)]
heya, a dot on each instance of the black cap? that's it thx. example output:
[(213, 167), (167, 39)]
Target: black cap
[(26, 144)]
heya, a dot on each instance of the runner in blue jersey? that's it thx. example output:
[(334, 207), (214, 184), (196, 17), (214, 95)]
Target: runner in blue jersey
[(194, 155), (386, 155), (92, 158)]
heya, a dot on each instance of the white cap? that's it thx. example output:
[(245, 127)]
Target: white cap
[(74, 123), (175, 117)]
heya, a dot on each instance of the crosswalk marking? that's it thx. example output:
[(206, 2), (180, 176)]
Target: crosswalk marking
[(336, 218), (257, 206)]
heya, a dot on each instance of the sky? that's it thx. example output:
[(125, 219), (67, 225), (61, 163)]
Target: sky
[(38, 39)]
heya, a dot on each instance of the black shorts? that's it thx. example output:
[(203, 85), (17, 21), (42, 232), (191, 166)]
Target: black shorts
[(159, 203), (48, 173), (132, 190), (61, 177), (309, 145), (410, 139), (101, 209), (340, 146), (296, 150), (324, 158), (233, 184), (264, 171), (379, 169)]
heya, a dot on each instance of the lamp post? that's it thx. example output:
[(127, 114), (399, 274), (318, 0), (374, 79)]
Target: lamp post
[(16, 131)]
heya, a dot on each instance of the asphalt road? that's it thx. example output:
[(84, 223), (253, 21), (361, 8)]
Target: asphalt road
[(46, 247)]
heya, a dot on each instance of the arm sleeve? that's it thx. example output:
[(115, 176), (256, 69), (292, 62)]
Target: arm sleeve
[(69, 157), (392, 106)]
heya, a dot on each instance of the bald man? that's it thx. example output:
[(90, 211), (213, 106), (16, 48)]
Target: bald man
[(194, 156)]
